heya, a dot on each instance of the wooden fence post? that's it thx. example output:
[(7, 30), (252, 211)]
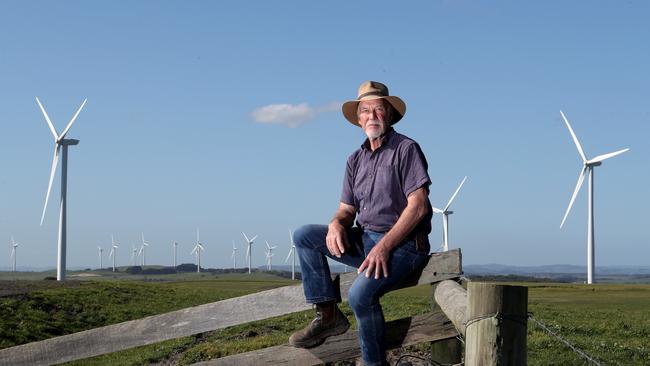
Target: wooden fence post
[(495, 332), (446, 351)]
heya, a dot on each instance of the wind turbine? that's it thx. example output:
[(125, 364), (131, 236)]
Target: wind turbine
[(249, 249), (143, 250), (134, 254), (445, 217), (175, 246), (60, 144), (269, 254), (587, 168), (100, 257), (113, 252), (234, 253), (293, 260), (198, 248), (14, 245)]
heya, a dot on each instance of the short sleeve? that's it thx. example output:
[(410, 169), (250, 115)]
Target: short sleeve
[(347, 194), (413, 169)]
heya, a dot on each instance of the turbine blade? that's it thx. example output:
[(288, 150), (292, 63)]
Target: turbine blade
[(245, 237), (289, 255), (291, 237), (606, 156), (255, 237), (73, 119), (436, 210), (575, 139), (248, 251), (55, 160), (267, 244), (455, 193), (47, 119), (581, 178)]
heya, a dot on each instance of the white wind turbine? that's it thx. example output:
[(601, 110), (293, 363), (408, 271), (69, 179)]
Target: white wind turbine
[(445, 217), (587, 168), (113, 252), (198, 248), (269, 254), (100, 257), (175, 246), (249, 249), (233, 256), (134, 254), (293, 260), (60, 144), (143, 250), (14, 245)]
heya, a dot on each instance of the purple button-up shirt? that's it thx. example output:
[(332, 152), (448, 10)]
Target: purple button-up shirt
[(377, 183)]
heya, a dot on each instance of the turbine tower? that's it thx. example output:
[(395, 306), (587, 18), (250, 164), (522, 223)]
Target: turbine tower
[(143, 250), (445, 217), (269, 254), (587, 169), (14, 245), (100, 257), (175, 246), (134, 255), (249, 249), (293, 260), (113, 252), (198, 248), (234, 253), (60, 145)]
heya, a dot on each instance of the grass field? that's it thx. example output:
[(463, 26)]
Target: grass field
[(609, 322)]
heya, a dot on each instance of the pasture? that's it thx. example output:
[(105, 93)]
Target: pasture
[(609, 322)]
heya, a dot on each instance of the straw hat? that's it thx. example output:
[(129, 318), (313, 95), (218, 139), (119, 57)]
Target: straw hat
[(370, 90)]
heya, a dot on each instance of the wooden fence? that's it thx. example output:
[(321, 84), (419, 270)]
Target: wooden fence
[(240, 310)]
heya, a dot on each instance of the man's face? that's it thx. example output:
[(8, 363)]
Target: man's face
[(372, 117)]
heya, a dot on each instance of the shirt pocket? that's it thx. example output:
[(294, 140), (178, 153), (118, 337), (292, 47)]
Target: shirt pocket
[(387, 180)]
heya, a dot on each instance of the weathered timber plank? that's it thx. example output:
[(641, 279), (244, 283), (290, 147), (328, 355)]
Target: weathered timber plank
[(198, 319), (402, 332), (452, 299)]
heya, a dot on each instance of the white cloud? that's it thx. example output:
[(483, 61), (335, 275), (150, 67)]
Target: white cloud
[(291, 115)]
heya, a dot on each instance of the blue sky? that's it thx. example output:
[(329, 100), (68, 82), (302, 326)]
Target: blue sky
[(184, 125)]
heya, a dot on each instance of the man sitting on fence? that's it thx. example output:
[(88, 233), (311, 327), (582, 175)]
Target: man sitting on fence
[(385, 188)]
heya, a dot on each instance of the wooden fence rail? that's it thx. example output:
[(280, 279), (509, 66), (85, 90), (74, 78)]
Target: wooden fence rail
[(198, 319)]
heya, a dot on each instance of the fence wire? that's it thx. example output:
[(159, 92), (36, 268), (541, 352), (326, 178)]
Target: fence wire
[(561, 339)]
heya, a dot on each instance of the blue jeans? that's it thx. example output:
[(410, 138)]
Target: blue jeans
[(365, 292)]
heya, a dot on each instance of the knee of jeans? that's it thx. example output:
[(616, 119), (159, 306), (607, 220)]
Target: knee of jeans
[(300, 236), (360, 298)]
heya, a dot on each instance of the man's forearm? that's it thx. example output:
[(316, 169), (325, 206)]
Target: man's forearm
[(408, 220), (344, 217)]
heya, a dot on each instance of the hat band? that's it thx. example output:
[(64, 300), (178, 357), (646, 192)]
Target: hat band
[(379, 93)]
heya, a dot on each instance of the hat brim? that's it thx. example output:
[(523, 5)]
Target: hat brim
[(349, 108)]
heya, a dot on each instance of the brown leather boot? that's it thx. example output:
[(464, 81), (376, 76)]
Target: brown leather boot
[(329, 321)]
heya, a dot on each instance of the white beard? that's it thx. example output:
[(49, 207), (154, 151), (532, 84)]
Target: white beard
[(375, 132)]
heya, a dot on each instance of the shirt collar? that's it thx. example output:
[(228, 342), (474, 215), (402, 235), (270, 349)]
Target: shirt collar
[(385, 138)]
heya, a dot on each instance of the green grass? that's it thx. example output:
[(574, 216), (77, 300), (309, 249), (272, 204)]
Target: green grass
[(609, 322)]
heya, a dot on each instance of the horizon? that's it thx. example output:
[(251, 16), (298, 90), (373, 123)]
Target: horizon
[(218, 117)]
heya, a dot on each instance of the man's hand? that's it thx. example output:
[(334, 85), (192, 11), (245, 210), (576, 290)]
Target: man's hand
[(376, 262), (336, 239)]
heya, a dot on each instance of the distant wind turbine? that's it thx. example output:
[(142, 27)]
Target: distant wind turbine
[(269, 255), (587, 169), (134, 254), (445, 217), (249, 249), (14, 245), (113, 252), (198, 248), (60, 144), (175, 246), (234, 255), (292, 252), (100, 257), (143, 251)]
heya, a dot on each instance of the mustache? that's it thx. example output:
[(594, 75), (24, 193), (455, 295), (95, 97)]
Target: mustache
[(374, 122)]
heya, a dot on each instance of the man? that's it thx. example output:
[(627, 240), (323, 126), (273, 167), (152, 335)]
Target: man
[(386, 189)]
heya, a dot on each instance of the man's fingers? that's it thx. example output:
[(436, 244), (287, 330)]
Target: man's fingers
[(362, 266), (385, 267), (340, 241)]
